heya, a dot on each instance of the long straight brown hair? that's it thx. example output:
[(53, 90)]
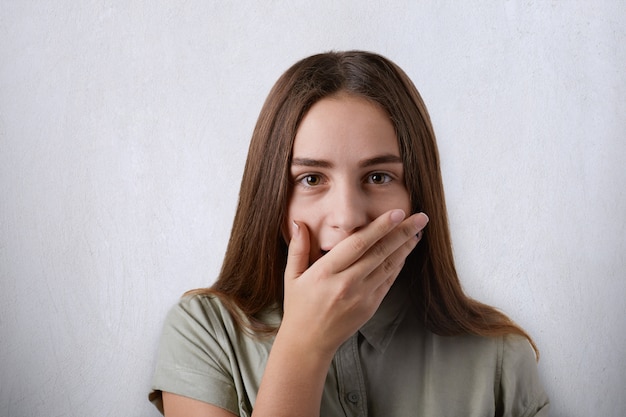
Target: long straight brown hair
[(251, 279)]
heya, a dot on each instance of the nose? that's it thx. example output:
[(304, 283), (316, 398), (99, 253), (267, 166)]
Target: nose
[(347, 209)]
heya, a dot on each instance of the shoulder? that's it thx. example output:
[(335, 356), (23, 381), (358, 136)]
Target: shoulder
[(197, 326), (504, 365), (211, 313), (509, 353), (200, 352), (522, 392), (197, 317), (517, 351), (498, 374), (204, 323), (203, 310), (510, 349)]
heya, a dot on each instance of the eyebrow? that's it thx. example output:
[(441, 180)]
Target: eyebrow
[(320, 163)]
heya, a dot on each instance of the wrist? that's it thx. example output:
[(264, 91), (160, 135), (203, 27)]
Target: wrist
[(304, 346)]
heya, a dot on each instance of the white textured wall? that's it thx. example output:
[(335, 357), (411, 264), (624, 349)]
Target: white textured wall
[(123, 133)]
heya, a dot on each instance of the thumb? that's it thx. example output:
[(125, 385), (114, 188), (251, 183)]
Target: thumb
[(298, 255)]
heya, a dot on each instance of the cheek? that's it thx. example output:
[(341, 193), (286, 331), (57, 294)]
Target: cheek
[(408, 207), (398, 199), (403, 201), (304, 214)]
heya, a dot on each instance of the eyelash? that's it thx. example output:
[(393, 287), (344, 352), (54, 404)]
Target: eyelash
[(303, 179)]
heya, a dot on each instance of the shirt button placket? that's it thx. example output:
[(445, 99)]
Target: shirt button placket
[(350, 379)]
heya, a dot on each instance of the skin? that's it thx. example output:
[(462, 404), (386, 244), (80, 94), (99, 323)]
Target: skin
[(349, 237), (346, 171)]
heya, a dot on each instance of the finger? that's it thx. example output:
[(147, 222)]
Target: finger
[(407, 231), (393, 247), (383, 237), (392, 265), (298, 254), (354, 246), (386, 283), (383, 277)]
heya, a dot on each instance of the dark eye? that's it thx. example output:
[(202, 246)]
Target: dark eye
[(311, 180), (379, 178)]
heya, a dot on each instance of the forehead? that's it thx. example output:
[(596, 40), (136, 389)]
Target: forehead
[(343, 124)]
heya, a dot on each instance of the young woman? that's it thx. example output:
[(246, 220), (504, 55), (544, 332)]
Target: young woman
[(338, 295)]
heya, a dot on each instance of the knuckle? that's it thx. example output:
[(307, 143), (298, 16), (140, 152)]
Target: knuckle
[(343, 292), (379, 250), (359, 244), (389, 282), (389, 266)]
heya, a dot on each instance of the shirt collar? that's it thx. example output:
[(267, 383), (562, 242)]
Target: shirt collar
[(379, 330)]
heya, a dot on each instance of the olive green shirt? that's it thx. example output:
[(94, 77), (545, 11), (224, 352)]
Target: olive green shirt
[(392, 367)]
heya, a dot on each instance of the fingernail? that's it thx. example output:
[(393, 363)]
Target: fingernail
[(296, 228), (397, 216)]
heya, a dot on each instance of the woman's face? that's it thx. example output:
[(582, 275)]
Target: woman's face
[(346, 170)]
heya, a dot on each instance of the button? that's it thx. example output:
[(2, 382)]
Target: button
[(353, 397)]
